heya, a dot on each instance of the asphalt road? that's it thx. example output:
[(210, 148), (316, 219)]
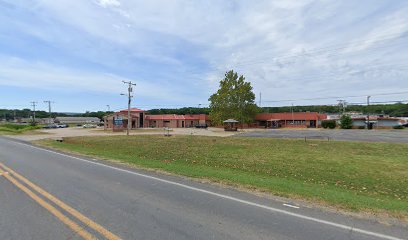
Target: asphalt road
[(396, 136), (134, 204)]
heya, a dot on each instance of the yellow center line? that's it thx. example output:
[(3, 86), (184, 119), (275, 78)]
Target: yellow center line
[(106, 233), (75, 227)]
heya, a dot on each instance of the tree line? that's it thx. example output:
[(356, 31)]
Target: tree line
[(11, 114), (394, 110)]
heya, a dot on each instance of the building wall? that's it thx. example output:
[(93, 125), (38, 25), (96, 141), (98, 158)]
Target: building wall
[(357, 123), (388, 123), (134, 117), (173, 123)]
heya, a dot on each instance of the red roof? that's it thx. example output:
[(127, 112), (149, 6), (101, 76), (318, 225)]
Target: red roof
[(290, 116), (133, 110), (177, 117)]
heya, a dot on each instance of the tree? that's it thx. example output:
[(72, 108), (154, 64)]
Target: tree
[(346, 122), (234, 99)]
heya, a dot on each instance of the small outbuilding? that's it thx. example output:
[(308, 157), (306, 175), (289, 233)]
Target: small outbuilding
[(231, 125)]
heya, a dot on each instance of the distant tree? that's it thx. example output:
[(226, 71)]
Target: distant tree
[(234, 99), (181, 111), (346, 122)]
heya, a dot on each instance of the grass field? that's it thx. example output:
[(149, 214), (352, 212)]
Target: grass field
[(357, 176), (12, 129)]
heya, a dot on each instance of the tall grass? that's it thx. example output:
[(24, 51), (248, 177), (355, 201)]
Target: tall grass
[(16, 128)]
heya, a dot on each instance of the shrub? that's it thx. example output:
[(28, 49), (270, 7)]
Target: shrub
[(398, 127), (329, 124), (325, 124), (346, 122)]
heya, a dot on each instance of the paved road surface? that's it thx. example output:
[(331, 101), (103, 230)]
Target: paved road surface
[(123, 203), (398, 136)]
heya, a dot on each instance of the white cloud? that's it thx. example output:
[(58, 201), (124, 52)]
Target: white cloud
[(108, 3), (273, 43), (40, 75)]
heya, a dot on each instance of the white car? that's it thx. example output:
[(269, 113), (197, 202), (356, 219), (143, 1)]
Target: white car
[(89, 126)]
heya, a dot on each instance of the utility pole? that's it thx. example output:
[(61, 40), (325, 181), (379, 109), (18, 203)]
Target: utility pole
[(368, 113), (130, 90), (49, 110), (33, 105), (260, 99), (293, 117), (342, 106)]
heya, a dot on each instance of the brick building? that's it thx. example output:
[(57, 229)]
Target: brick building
[(290, 120), (175, 121), (138, 119), (119, 120)]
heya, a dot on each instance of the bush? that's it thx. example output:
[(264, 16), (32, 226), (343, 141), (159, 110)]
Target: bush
[(398, 127), (329, 124), (346, 122)]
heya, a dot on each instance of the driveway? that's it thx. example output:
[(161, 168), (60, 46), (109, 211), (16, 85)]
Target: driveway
[(396, 136)]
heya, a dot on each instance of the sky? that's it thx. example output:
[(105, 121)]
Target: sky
[(76, 53)]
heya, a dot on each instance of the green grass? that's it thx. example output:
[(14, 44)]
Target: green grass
[(357, 176), (12, 129)]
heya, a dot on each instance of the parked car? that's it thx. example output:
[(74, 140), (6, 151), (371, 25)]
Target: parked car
[(89, 126), (202, 126), (62, 125), (51, 126)]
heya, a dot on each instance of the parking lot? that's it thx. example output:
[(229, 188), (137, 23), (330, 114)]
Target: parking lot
[(398, 136), (58, 133)]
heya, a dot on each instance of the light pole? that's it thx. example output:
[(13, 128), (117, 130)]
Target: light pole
[(130, 90)]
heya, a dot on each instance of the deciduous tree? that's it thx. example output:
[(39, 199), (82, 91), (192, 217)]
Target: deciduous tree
[(234, 99)]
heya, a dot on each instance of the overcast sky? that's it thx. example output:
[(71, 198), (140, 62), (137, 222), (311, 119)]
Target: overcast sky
[(77, 52)]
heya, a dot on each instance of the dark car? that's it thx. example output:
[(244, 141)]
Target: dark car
[(202, 125)]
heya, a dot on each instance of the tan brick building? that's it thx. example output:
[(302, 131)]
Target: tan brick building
[(118, 121), (175, 121)]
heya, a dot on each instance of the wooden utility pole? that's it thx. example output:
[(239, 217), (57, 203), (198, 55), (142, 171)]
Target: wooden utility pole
[(130, 90), (33, 105), (49, 110)]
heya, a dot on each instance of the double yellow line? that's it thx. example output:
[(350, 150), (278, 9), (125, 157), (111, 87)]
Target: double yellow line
[(12, 176)]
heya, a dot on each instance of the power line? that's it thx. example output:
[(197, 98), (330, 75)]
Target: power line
[(335, 97), (327, 49)]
